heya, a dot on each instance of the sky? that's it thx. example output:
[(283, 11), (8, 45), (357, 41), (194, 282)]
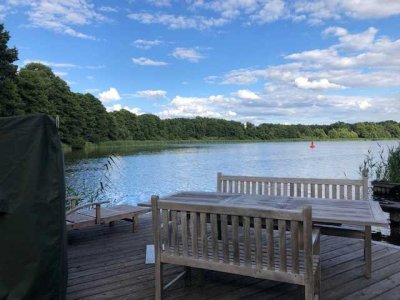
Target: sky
[(259, 61)]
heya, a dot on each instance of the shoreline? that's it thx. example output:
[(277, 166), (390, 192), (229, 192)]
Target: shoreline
[(132, 144)]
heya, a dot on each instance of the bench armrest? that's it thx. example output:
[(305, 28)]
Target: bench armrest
[(97, 204)]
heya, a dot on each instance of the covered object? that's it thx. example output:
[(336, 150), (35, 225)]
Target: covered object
[(32, 209)]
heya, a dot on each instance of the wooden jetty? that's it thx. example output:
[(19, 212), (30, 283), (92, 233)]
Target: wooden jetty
[(109, 263)]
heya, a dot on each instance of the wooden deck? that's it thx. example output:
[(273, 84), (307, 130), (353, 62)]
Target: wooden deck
[(109, 263)]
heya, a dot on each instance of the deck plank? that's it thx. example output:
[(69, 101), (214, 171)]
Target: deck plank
[(109, 263)]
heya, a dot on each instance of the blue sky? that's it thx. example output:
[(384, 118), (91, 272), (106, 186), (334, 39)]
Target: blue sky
[(274, 61)]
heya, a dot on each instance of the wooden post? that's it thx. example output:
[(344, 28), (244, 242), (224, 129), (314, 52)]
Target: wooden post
[(98, 214), (219, 175), (157, 247), (135, 223), (367, 252), (308, 253), (365, 188)]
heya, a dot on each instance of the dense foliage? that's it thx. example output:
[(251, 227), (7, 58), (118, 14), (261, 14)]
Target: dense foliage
[(83, 118), (384, 167)]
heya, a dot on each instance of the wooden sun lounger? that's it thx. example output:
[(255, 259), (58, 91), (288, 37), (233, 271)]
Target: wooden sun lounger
[(79, 217)]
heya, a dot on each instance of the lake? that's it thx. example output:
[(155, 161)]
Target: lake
[(137, 174)]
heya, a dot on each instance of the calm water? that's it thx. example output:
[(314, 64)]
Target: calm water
[(137, 175)]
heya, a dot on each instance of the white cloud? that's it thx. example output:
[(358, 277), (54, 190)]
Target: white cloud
[(320, 10), (151, 94), (211, 79), (247, 95), (62, 64), (108, 9), (190, 107), (143, 61), (360, 41), (110, 95), (321, 84), (314, 12), (51, 64), (68, 17), (60, 16), (303, 90), (271, 10), (241, 76), (364, 104), (118, 107), (178, 22), (189, 54), (146, 44), (259, 11), (287, 104), (267, 11), (371, 61), (60, 73)]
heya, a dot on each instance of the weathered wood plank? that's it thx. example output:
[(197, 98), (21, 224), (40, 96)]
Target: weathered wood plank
[(204, 238), (124, 274), (235, 239)]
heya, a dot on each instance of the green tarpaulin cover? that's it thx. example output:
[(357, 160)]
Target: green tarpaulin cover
[(32, 210)]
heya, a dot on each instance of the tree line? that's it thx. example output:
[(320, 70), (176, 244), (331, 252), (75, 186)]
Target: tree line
[(36, 89)]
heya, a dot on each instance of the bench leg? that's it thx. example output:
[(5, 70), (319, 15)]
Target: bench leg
[(111, 224), (135, 223), (159, 280), (309, 291), (367, 252), (318, 281)]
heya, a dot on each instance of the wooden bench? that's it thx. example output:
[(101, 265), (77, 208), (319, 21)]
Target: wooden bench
[(294, 187), (81, 216), (183, 236), (307, 188)]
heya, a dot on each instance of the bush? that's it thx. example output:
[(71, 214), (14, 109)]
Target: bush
[(78, 143), (393, 164), (382, 169)]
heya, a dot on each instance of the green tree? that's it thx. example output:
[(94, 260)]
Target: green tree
[(10, 102), (319, 133), (34, 81), (95, 121)]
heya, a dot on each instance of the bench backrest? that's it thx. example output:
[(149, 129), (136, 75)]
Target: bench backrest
[(294, 187), (245, 243)]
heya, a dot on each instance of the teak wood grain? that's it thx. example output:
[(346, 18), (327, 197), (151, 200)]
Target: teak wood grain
[(249, 253)]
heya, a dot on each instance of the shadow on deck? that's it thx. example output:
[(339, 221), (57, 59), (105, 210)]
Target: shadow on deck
[(108, 263)]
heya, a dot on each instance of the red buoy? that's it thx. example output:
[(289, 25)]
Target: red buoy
[(312, 146)]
